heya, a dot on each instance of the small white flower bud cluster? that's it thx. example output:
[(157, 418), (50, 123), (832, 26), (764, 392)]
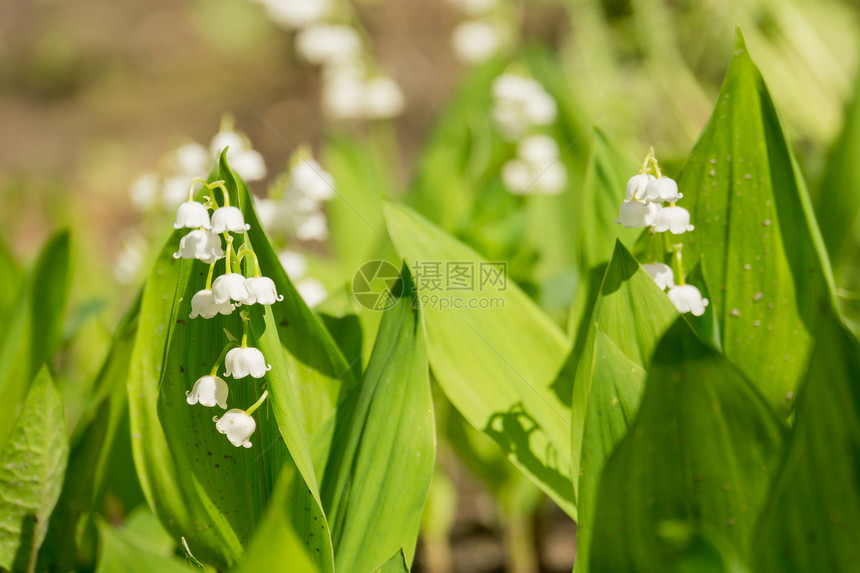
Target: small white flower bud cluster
[(643, 207), (222, 296), (520, 107), (482, 35), (350, 91)]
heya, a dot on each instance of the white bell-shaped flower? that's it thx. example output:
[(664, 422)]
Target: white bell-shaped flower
[(230, 219), (200, 244), (520, 103), (294, 263), (229, 287), (661, 273), (208, 391), (244, 361), (262, 290), (636, 186), (312, 291), (249, 165), (237, 425), (191, 215), (687, 298), (635, 214), (676, 220), (538, 150), (663, 190), (203, 304)]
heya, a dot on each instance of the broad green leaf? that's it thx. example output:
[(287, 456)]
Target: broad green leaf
[(90, 449), (812, 518), (495, 363), (396, 564), (277, 544), (384, 464), (700, 452), (756, 234), (13, 278), (34, 329), (32, 465), (630, 315), (124, 550)]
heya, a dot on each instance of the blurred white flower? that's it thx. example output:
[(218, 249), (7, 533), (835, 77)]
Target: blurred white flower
[(268, 212), (229, 287), (230, 219), (520, 103), (635, 214), (474, 7), (208, 391), (662, 190), (536, 168), (311, 226), (676, 220), (636, 186), (200, 244), (343, 95), (203, 304), (237, 425), (312, 291), (131, 257), (308, 178), (296, 14), (327, 43), (174, 190), (192, 160), (191, 215), (687, 298), (295, 264), (383, 98), (243, 159), (262, 290), (661, 273), (144, 191), (476, 41), (245, 361)]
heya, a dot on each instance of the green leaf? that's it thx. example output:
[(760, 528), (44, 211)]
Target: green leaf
[(124, 550), (700, 452), (812, 518), (630, 315), (383, 469), (34, 329), (396, 564), (32, 465), (755, 230), (278, 543), (602, 192), (91, 446), (495, 363), (13, 278)]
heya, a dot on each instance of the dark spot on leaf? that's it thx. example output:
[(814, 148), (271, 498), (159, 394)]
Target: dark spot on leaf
[(284, 323)]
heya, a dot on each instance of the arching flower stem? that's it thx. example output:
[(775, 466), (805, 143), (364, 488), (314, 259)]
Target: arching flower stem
[(217, 365), (258, 403)]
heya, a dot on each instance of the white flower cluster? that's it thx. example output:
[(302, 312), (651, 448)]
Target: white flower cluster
[(222, 296), (350, 90), (310, 289), (643, 207), (520, 107), (482, 35)]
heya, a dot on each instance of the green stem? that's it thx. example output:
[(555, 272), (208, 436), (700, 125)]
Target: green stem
[(209, 276), (218, 362), (678, 263), (220, 185), (227, 267), (245, 321), (244, 250), (258, 403)]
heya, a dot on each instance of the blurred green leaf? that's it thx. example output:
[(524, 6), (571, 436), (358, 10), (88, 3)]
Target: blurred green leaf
[(495, 361), (812, 518), (700, 452), (756, 233), (32, 466), (376, 491), (630, 315), (127, 551), (13, 278)]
